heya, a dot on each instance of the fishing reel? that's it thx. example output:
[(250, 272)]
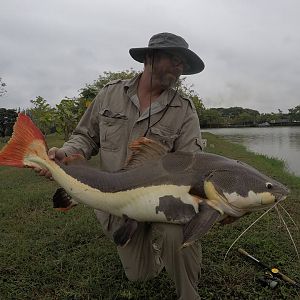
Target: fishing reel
[(269, 280)]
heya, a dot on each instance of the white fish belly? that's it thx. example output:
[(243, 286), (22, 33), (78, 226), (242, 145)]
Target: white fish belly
[(161, 203), (141, 204)]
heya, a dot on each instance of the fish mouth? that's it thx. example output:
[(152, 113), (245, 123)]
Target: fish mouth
[(281, 199), (260, 206), (282, 195), (242, 205)]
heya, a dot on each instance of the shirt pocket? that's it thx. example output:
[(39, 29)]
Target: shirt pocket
[(164, 135), (112, 129)]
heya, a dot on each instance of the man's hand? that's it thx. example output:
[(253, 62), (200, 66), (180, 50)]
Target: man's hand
[(54, 154)]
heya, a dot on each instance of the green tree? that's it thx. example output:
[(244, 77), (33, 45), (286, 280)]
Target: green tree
[(7, 120), (211, 118), (42, 114), (244, 118), (294, 113), (188, 91), (90, 91), (68, 114), (238, 115)]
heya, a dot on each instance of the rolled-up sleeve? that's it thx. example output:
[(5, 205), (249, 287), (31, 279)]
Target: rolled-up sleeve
[(189, 138), (85, 137)]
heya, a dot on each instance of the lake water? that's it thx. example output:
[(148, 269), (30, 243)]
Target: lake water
[(277, 142)]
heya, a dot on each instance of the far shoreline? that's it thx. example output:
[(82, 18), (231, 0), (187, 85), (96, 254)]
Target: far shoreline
[(216, 126)]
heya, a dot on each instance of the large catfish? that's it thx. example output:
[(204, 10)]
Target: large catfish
[(195, 189)]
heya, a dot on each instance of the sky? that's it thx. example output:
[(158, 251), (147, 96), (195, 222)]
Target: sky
[(251, 49)]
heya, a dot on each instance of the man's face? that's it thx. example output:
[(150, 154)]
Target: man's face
[(167, 68)]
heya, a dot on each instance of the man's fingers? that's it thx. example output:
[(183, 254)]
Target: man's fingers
[(43, 172), (56, 153), (52, 153)]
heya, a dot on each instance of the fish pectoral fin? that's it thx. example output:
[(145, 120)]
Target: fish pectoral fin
[(200, 224), (123, 235), (62, 201)]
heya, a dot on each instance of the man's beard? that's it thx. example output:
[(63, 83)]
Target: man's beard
[(166, 80)]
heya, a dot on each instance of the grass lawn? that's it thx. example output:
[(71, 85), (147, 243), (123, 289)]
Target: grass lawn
[(45, 254)]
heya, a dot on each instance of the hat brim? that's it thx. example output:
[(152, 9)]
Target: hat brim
[(194, 62)]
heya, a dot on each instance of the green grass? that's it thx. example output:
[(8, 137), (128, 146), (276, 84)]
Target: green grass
[(49, 255)]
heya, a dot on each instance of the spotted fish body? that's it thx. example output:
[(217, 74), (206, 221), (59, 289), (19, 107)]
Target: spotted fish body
[(150, 191), (187, 188)]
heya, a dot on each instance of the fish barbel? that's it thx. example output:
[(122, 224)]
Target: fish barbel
[(195, 189)]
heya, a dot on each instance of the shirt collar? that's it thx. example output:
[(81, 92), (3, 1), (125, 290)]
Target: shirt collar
[(131, 86)]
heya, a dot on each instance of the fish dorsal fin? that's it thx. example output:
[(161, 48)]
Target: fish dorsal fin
[(144, 149)]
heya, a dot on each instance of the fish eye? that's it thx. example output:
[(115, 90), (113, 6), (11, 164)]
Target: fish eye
[(269, 185)]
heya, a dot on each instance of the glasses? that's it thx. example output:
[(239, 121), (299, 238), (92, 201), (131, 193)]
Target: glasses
[(175, 59)]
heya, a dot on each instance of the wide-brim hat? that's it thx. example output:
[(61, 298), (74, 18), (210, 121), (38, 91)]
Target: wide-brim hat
[(171, 42)]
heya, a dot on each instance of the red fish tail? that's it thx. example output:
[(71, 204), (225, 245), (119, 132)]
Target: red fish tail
[(26, 141)]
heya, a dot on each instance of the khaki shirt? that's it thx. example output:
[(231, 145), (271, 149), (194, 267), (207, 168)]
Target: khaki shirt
[(114, 120)]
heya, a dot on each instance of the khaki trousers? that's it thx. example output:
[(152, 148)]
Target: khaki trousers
[(154, 246)]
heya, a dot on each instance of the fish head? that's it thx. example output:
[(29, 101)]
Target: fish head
[(240, 190)]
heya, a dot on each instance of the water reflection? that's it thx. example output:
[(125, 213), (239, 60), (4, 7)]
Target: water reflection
[(278, 142)]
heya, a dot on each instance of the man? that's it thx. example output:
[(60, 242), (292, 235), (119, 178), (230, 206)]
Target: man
[(125, 110)]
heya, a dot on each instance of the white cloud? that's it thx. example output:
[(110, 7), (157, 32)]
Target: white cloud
[(53, 48)]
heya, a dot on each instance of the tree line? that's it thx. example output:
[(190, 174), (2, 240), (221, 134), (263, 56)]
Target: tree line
[(64, 116), (238, 117)]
